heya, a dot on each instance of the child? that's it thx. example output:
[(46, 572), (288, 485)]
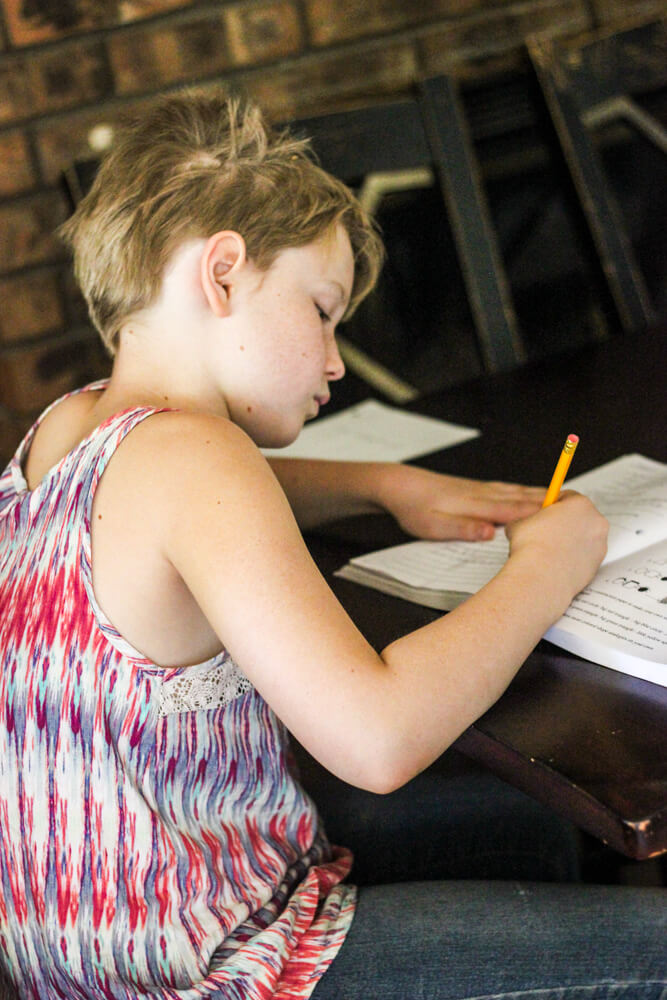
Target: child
[(163, 624)]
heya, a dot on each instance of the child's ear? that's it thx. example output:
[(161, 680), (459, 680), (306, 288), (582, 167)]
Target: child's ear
[(222, 258)]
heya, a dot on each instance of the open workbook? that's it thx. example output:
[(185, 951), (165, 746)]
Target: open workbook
[(619, 620)]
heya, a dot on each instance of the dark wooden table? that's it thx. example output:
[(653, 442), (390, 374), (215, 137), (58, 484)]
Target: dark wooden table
[(588, 741)]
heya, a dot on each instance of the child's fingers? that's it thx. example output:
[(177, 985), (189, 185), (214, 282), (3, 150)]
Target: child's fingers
[(435, 526), (503, 511)]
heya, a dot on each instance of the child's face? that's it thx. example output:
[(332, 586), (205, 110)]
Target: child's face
[(284, 353)]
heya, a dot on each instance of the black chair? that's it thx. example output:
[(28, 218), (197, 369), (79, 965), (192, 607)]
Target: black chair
[(587, 82), (415, 142)]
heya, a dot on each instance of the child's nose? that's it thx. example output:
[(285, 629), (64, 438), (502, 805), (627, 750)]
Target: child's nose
[(335, 363)]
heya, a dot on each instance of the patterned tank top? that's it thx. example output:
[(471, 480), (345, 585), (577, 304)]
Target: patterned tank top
[(153, 838)]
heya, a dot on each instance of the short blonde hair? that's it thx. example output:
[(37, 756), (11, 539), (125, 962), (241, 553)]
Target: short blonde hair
[(192, 164)]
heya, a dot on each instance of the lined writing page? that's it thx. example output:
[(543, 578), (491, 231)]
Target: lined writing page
[(459, 566)]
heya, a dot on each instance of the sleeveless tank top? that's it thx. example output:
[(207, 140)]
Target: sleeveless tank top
[(153, 837)]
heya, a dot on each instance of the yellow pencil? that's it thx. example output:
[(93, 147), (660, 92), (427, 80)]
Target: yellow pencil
[(560, 471)]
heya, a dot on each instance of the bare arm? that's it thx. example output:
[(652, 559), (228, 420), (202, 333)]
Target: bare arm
[(375, 720), (424, 503), (322, 491)]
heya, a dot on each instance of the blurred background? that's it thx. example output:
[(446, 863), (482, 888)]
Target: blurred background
[(68, 67)]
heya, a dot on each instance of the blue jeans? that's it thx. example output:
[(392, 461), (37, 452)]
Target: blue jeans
[(468, 889), (470, 939)]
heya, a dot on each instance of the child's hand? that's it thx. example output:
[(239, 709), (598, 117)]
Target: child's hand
[(570, 537), (433, 506)]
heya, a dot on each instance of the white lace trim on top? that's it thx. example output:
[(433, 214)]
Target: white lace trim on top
[(205, 686)]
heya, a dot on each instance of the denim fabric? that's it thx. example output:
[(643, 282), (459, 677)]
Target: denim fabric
[(468, 889), (469, 939)]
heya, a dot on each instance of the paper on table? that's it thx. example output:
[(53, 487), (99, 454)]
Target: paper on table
[(440, 565), (619, 619), (630, 492), (373, 432)]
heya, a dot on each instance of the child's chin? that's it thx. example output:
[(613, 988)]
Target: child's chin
[(282, 439)]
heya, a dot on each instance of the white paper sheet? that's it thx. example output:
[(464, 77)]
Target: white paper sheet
[(373, 432), (619, 620)]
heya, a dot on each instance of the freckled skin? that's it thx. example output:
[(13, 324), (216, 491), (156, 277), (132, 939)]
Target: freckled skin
[(279, 349)]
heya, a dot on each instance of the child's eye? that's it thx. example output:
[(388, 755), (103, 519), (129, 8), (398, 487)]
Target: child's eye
[(323, 316)]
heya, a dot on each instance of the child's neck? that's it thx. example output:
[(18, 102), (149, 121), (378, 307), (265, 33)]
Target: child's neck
[(164, 355), (143, 377)]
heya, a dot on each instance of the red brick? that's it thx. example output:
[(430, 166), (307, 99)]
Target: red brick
[(262, 31), (16, 99), (334, 81), (12, 430), (17, 174), (63, 140), (27, 227), (79, 16), (30, 30), (498, 31), (136, 10), (340, 20), (149, 58), (31, 305), (66, 77), (32, 376)]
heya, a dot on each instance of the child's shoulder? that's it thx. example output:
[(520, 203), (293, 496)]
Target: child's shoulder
[(177, 458), (170, 437), (192, 441)]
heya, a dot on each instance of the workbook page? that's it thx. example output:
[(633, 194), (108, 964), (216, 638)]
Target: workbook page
[(458, 566), (631, 492), (620, 619)]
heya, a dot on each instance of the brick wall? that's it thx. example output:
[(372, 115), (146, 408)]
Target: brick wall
[(67, 66)]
